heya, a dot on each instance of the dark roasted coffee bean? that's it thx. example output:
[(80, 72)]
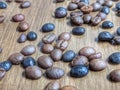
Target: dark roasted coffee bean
[(19, 1), (95, 56), (105, 10), (108, 3), (60, 1), (85, 1), (115, 58), (9, 1), (102, 15), (25, 4), (47, 48), (28, 61), (60, 12), (95, 20), (87, 9), (72, 6), (75, 1), (2, 18), (118, 6), (23, 26), (101, 1), (0, 50), (3, 5), (55, 73), (116, 40), (79, 71), (68, 56), (76, 13), (33, 72), (68, 87), (87, 18), (81, 4), (107, 24), (78, 31), (2, 73), (18, 17), (31, 36), (118, 31), (96, 6), (22, 38), (48, 27), (65, 36), (6, 65), (77, 20)]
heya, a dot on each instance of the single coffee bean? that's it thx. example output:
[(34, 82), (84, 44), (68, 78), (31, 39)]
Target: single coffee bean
[(64, 36), (97, 65), (16, 58), (61, 44), (77, 20), (81, 4), (76, 13), (105, 10), (96, 6), (118, 6), (87, 18), (108, 3), (85, 1), (107, 24), (105, 36), (25, 4), (87, 9), (18, 17), (87, 51), (115, 58), (72, 6), (79, 60), (31, 36), (45, 62), (60, 12), (56, 55), (95, 20), (2, 18), (48, 27), (118, 31), (79, 71), (47, 48), (101, 2), (68, 56), (60, 1), (22, 38), (78, 31), (95, 56), (115, 75), (19, 1), (2, 73), (116, 40), (0, 50), (28, 50), (33, 72), (23, 26), (6, 65), (28, 61), (55, 73), (75, 1), (53, 85), (9, 1), (102, 15), (68, 87), (3, 5)]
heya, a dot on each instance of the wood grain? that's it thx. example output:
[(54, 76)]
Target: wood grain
[(39, 13)]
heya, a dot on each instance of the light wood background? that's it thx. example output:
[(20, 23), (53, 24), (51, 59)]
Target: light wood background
[(39, 13)]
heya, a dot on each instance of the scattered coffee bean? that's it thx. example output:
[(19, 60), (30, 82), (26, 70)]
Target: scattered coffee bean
[(79, 71), (55, 73), (101, 1), (116, 40), (6, 65), (45, 62), (115, 58), (56, 55), (31, 36), (0, 50), (108, 3), (81, 4), (60, 1), (75, 1), (76, 13), (105, 10), (95, 20), (68, 87), (115, 75), (72, 6), (28, 61), (33, 72), (16, 58), (18, 17), (60, 12), (2, 73), (19, 1), (85, 1), (118, 31), (96, 6), (107, 24), (87, 9), (3, 5), (87, 18), (2, 18), (28, 50), (47, 48), (23, 26), (77, 20), (48, 27), (102, 15), (118, 6), (95, 56), (25, 4), (22, 38), (78, 31), (9, 1), (64, 36)]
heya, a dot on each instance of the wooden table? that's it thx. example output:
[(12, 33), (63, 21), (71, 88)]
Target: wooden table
[(42, 12)]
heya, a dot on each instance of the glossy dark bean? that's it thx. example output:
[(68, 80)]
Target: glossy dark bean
[(3, 5), (25, 4), (60, 1), (85, 1), (72, 6), (6, 65), (105, 10), (19, 1), (96, 6), (102, 15), (2, 73), (115, 58), (48, 27), (118, 6), (95, 20), (2, 18), (87, 18), (77, 20), (31, 36), (78, 31), (22, 38), (118, 31), (107, 24), (9, 1), (18, 17), (60, 12)]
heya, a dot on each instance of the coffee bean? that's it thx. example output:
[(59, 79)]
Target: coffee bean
[(48, 27), (60, 12), (33, 72), (77, 20), (95, 56), (87, 18), (87, 51), (87, 9), (76, 13), (78, 31), (75, 1), (97, 65), (64, 36), (53, 85), (105, 36), (81, 4), (95, 20), (23, 26), (115, 58), (28, 61), (49, 38), (22, 38), (61, 44), (60, 1), (2, 73), (115, 75), (96, 6), (72, 6), (6, 65), (101, 1), (0, 50), (68, 56), (2, 18), (79, 71), (116, 40), (56, 55), (85, 1), (118, 13), (55, 73), (28, 50), (47, 48), (108, 3), (117, 6), (9, 1), (18, 17), (16, 58), (118, 31), (102, 15), (107, 24), (105, 10), (25, 4), (45, 62), (31, 36), (68, 87), (3, 5), (79, 60), (19, 1)]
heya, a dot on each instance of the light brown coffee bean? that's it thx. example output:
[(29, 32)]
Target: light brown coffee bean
[(16, 58), (96, 6), (95, 56), (18, 17), (65, 36), (95, 20), (108, 3), (22, 38), (33, 72), (23, 26), (45, 62), (72, 6), (102, 15), (87, 18), (47, 48), (2, 73), (0, 50), (18, 1), (77, 20), (97, 65), (28, 50), (25, 4), (81, 4), (76, 13), (55, 73), (87, 9), (2, 18), (68, 87)]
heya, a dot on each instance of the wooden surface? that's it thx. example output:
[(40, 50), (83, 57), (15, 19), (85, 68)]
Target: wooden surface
[(39, 13)]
